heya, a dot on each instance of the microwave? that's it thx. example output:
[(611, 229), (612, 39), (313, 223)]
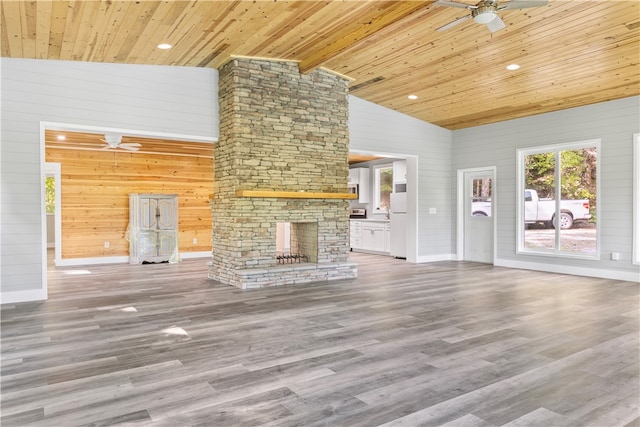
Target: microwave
[(352, 189)]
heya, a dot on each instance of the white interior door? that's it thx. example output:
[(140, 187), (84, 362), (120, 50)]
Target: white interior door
[(478, 215)]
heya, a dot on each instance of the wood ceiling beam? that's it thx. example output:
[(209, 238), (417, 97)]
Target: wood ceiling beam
[(342, 42)]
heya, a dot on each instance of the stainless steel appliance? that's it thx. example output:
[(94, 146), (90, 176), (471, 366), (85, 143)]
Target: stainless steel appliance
[(398, 225), (358, 213)]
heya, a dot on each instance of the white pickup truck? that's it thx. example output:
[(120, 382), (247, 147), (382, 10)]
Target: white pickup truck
[(537, 210)]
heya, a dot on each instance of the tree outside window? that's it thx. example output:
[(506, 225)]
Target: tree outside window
[(50, 194), (383, 187), (567, 173)]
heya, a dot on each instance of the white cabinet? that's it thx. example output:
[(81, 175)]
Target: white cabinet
[(355, 234), (400, 172), (354, 176), (370, 236), (373, 236), (361, 178), (153, 228), (387, 238)]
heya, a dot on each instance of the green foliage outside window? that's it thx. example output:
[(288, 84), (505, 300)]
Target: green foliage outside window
[(578, 174), (386, 188), (50, 194)]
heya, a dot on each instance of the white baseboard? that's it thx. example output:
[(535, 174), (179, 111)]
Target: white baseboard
[(435, 258), (629, 276), (74, 262), (202, 254), (23, 296), (77, 262)]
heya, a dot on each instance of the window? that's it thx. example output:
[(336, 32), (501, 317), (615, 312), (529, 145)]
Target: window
[(558, 208), (481, 197), (383, 187)]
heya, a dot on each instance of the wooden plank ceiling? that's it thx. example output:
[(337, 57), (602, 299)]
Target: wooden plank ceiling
[(85, 141), (571, 53)]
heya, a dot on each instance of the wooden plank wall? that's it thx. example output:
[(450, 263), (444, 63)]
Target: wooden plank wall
[(95, 197)]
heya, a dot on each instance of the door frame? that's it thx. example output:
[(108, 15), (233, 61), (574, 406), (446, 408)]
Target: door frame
[(460, 209)]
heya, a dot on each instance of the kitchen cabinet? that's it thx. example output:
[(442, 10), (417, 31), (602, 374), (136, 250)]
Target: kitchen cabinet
[(400, 172), (360, 177), (373, 236), (355, 234), (370, 236), (387, 238), (153, 228)]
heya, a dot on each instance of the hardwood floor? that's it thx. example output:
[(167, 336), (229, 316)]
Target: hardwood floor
[(448, 343)]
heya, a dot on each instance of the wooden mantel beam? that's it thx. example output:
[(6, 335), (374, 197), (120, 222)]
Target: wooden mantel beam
[(293, 194)]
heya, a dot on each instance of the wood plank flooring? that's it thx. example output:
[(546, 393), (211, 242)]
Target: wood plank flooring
[(438, 344)]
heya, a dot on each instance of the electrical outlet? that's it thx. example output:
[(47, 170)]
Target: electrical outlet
[(106, 245), (195, 241)]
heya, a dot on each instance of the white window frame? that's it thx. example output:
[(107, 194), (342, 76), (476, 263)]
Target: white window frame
[(556, 252), (636, 198), (376, 186)]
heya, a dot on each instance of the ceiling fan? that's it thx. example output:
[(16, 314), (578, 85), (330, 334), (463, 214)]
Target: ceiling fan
[(114, 140), (486, 12)]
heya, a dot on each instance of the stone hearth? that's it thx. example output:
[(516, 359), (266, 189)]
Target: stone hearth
[(285, 133)]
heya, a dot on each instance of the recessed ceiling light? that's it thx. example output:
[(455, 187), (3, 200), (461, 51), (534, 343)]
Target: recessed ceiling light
[(61, 137), (412, 96), (164, 46), (513, 67)]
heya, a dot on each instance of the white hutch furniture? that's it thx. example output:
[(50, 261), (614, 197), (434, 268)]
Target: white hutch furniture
[(153, 228)]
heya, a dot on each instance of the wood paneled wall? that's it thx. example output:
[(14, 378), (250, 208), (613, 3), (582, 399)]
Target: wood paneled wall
[(95, 187)]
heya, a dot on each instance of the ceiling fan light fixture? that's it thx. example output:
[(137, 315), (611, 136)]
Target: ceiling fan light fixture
[(484, 14), (113, 139)]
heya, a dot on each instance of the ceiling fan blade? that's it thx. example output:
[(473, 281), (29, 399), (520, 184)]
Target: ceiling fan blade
[(129, 147), (517, 4), (131, 144), (105, 147), (453, 23), (454, 4), (496, 24)]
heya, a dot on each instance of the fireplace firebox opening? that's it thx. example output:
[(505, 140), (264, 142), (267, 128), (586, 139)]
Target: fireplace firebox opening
[(296, 242)]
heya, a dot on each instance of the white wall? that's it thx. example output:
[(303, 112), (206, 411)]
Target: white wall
[(614, 123), (176, 100), (373, 128)]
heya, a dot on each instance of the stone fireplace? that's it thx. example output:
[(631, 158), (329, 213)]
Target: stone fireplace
[(282, 157), (297, 242)]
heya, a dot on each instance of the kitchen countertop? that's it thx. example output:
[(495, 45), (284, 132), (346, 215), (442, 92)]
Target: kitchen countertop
[(370, 219)]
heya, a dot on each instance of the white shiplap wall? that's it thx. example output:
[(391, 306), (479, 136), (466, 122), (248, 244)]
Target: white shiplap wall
[(153, 99), (375, 129), (174, 100), (614, 123)]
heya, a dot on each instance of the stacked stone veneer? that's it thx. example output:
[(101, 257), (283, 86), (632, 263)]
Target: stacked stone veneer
[(279, 131), (304, 240)]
